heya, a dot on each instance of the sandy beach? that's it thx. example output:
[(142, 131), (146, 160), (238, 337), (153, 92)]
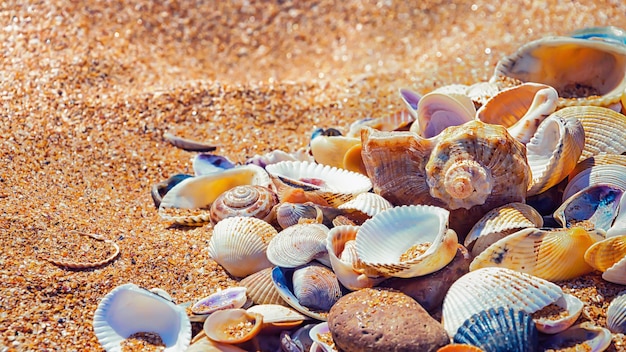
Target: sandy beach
[(88, 88)]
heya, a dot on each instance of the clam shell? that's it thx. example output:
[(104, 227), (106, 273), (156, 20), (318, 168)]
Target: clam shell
[(616, 314), (158, 190), (239, 245), (604, 254), (499, 329), (283, 280), (551, 255), (369, 203), (261, 289), (438, 110), (500, 222), (249, 200), (553, 151), (232, 326), (204, 164), (584, 72), (316, 287), (607, 33), (611, 175), (278, 316), (276, 156), (129, 309), (495, 287), (289, 214), (298, 245), (601, 159), (406, 241), (581, 337), (335, 186), (550, 319), (233, 297), (316, 334), (617, 273), (594, 207)]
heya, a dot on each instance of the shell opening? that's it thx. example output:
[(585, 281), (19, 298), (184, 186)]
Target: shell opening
[(468, 183)]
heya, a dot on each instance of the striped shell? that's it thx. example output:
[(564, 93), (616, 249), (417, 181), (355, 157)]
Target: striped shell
[(249, 200), (289, 214), (239, 245), (610, 175), (298, 245), (369, 203), (616, 314), (283, 280), (261, 289), (601, 159), (399, 121), (316, 287), (609, 256)]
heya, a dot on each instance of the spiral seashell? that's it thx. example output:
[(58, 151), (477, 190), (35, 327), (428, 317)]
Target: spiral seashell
[(609, 254), (297, 245), (553, 151), (499, 223), (584, 72), (369, 203), (581, 337), (248, 200), (594, 207), (220, 325), (551, 255), (261, 289), (390, 244), (616, 314), (438, 110), (239, 245), (316, 287)]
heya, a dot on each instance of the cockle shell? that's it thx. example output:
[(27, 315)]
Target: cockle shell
[(276, 156), (289, 214), (601, 159), (335, 186), (609, 256), (232, 297), (438, 110), (581, 337), (584, 72), (552, 255), (616, 314), (249, 200), (406, 241), (261, 289), (558, 316), (487, 288), (239, 245), (233, 326), (594, 207), (553, 151), (316, 287), (611, 175), (129, 309), (298, 245), (369, 203)]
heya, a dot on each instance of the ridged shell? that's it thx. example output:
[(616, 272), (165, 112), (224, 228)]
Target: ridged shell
[(248, 200), (298, 245), (500, 222), (369, 203), (395, 122), (316, 287), (406, 241), (584, 72), (239, 245), (499, 330), (617, 273), (558, 316), (616, 314), (601, 159), (276, 156), (438, 110), (606, 253), (594, 207), (204, 164), (582, 337), (283, 280), (335, 186), (129, 309), (611, 175), (551, 255), (232, 297), (520, 109), (553, 151), (261, 289), (495, 287), (481, 92), (289, 214), (219, 326)]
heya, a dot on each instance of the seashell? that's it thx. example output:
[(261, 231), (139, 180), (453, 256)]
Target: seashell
[(499, 329), (70, 263), (239, 245), (316, 287), (330, 132), (410, 99), (289, 214), (610, 175), (276, 156), (558, 316), (594, 207), (232, 326), (335, 186), (500, 222), (129, 309), (617, 273), (495, 287), (596, 160), (352, 160), (584, 72), (369, 203), (249, 200), (188, 144), (553, 151), (582, 337), (481, 92), (459, 347), (438, 110), (201, 343), (616, 314), (400, 121), (298, 245), (283, 280), (261, 289), (406, 241), (604, 254), (204, 164), (619, 224), (321, 335), (552, 255), (233, 297), (278, 316), (158, 190), (298, 341), (330, 150), (607, 33)]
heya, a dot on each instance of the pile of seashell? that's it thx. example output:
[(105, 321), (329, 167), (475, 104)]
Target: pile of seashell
[(526, 171)]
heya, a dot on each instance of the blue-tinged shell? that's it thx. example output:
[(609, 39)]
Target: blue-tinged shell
[(159, 190), (330, 132), (204, 164), (608, 33), (499, 330), (596, 206)]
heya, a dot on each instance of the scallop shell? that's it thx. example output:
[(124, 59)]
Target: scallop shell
[(239, 245), (551, 255), (248, 200), (582, 337), (233, 297), (297, 245), (261, 289), (283, 280), (289, 214), (594, 207), (316, 287), (584, 72), (495, 287), (601, 159), (369, 203), (553, 151), (406, 241), (499, 329), (204, 164), (617, 273), (604, 254), (276, 156), (500, 222), (129, 309), (438, 110), (611, 175), (616, 314), (335, 186), (559, 315), (232, 326)]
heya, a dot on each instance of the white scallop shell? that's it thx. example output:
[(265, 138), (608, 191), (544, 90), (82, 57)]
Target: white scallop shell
[(298, 245), (261, 289), (369, 203), (495, 287), (616, 314), (382, 240), (276, 156), (129, 309), (612, 174), (239, 245)]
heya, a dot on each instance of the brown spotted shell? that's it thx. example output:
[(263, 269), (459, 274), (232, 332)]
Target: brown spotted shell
[(249, 200)]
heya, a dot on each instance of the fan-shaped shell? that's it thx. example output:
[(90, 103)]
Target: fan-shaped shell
[(289, 214), (438, 110), (129, 309), (406, 241), (551, 255), (500, 222), (553, 151), (316, 287), (616, 314), (584, 72), (581, 337), (617, 273), (232, 297), (276, 156), (594, 207), (249, 200), (369, 203), (611, 175), (239, 245), (261, 289), (233, 326), (495, 287), (601, 159), (604, 254), (298, 245)]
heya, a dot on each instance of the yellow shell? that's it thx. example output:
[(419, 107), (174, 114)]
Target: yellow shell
[(604, 254), (220, 325), (330, 150), (551, 255)]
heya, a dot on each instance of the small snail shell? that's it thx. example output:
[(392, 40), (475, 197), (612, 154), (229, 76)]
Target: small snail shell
[(249, 200)]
